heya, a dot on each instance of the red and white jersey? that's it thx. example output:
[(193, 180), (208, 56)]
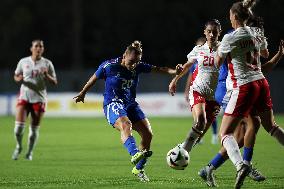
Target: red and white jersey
[(241, 47), (205, 76), (33, 88)]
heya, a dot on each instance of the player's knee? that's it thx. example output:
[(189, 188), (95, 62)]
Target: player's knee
[(126, 125)]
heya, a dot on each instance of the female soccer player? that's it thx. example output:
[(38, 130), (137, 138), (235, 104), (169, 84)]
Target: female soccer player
[(214, 139), (121, 110), (202, 91), (33, 72), (206, 173), (249, 126), (250, 89)]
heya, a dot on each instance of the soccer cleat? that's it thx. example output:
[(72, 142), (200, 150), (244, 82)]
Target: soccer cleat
[(241, 175), (140, 155), (208, 176), (140, 174), (255, 175), (29, 157), (16, 153)]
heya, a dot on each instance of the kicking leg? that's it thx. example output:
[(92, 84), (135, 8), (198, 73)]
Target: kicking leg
[(144, 130), (198, 127)]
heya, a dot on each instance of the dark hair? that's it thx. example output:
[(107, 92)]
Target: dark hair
[(255, 21), (242, 10), (213, 22), (136, 46), (37, 40)]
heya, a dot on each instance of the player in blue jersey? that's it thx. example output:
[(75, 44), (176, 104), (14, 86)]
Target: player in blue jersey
[(214, 140), (121, 77)]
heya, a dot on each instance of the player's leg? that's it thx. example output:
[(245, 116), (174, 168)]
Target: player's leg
[(212, 109), (37, 113), (143, 128), (207, 172), (196, 131), (21, 115), (252, 125), (214, 139), (269, 124), (117, 117), (266, 113)]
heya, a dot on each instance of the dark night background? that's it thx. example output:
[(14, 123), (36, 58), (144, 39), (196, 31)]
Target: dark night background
[(79, 34)]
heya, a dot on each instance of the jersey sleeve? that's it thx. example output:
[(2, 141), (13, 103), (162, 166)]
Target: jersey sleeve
[(19, 68), (225, 46), (144, 68), (51, 70), (100, 73), (193, 54)]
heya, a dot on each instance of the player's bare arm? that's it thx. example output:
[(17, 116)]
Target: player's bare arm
[(268, 66), (18, 77), (81, 96), (48, 77), (220, 60), (185, 68), (167, 70)]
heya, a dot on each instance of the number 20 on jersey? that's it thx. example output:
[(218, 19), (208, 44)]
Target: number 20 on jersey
[(208, 61)]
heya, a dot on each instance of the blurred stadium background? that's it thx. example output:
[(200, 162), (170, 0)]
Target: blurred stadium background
[(78, 36)]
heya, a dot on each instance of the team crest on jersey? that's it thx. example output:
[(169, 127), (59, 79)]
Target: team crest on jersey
[(118, 74)]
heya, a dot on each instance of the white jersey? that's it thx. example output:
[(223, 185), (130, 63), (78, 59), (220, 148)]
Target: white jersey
[(33, 88), (241, 47), (206, 73)]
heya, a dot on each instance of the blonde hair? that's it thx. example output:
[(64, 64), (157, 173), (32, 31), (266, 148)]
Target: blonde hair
[(136, 46)]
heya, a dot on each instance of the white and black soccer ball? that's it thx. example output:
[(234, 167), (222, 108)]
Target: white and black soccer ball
[(178, 158)]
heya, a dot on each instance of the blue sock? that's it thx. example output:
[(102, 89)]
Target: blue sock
[(130, 145), (217, 161), (247, 156), (141, 164), (214, 126)]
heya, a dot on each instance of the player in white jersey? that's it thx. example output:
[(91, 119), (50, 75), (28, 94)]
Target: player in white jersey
[(204, 82), (32, 72), (250, 89)]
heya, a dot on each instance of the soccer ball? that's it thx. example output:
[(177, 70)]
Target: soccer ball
[(178, 158)]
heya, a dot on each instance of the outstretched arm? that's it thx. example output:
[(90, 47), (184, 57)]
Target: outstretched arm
[(268, 66), (81, 96), (187, 87), (167, 70), (186, 66), (51, 79)]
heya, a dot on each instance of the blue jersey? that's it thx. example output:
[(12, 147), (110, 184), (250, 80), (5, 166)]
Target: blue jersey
[(223, 72), (120, 83), (191, 70)]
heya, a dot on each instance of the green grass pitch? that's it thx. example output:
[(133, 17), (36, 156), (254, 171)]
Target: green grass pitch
[(87, 153)]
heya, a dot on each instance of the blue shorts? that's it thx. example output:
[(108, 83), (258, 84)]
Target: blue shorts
[(220, 93), (114, 110)]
